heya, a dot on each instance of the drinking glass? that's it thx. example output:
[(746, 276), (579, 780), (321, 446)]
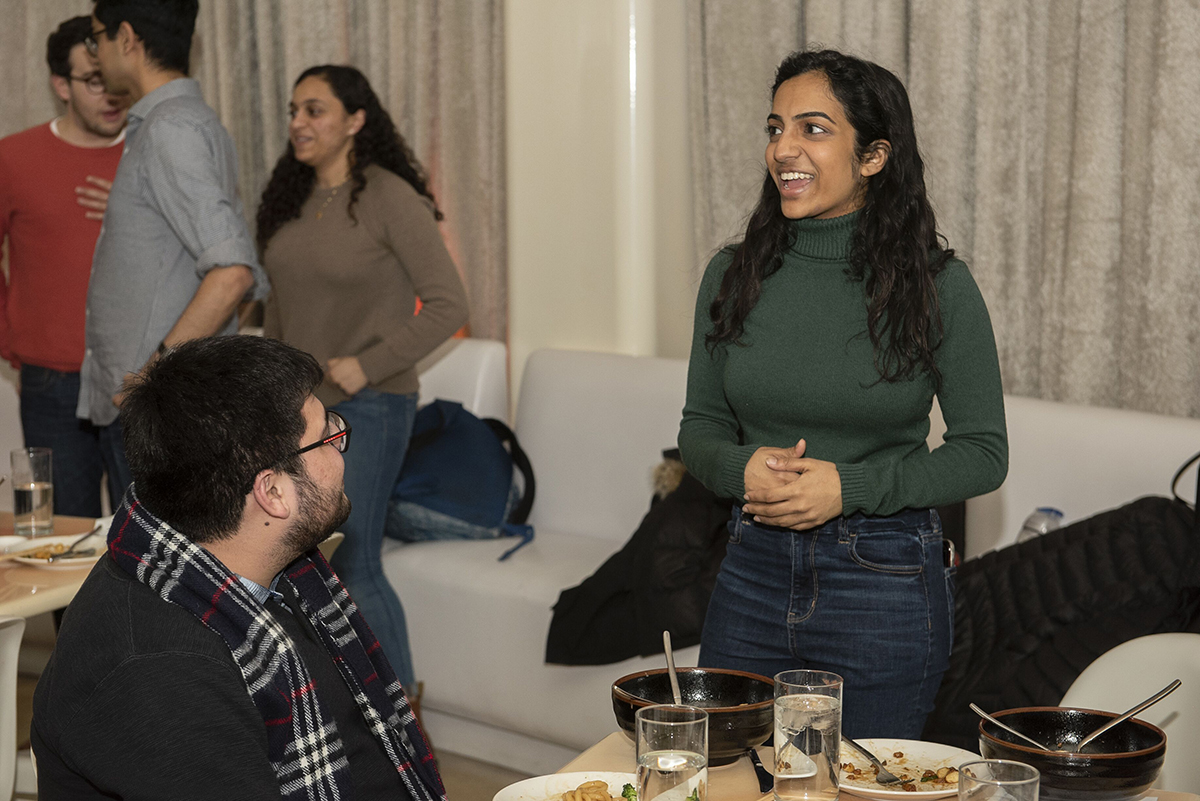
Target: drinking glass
[(808, 734), (33, 492), (672, 753), (998, 780)]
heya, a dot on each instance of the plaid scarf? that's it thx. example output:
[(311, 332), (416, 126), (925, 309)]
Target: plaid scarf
[(303, 742)]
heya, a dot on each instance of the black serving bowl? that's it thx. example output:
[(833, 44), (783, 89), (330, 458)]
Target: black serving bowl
[(740, 705), (1120, 764)]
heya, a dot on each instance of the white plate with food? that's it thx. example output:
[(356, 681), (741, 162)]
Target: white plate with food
[(40, 549), (916, 760), (551, 788)]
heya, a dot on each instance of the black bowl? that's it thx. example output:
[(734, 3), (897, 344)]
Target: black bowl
[(1120, 764), (740, 705)]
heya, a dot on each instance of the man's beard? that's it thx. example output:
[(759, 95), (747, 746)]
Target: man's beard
[(319, 515)]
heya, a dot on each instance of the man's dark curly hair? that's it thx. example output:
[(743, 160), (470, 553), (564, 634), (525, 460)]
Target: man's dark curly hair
[(206, 418), (378, 142), (62, 41)]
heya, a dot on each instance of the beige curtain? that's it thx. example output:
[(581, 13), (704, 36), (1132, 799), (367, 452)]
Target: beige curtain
[(1059, 140), (437, 66)]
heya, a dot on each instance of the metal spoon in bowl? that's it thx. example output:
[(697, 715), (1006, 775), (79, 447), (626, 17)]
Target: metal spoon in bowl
[(1074, 748), (671, 668), (1008, 728)]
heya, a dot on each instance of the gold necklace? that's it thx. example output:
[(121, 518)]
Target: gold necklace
[(328, 200)]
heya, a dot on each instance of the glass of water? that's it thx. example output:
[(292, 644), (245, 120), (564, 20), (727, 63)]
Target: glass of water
[(998, 780), (808, 734), (672, 753), (33, 492)]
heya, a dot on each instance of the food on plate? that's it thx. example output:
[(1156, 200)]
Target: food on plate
[(598, 791), (44, 552), (913, 775)]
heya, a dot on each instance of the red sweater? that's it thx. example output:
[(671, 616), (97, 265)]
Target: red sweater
[(50, 245)]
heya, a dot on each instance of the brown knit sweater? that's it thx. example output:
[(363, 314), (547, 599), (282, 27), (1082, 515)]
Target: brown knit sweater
[(341, 289)]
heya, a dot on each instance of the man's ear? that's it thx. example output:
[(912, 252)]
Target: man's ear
[(126, 38), (273, 492), (61, 87)]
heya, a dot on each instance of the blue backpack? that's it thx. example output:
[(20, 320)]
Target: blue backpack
[(458, 480)]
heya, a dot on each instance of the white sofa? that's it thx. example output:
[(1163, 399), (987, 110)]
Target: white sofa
[(594, 425)]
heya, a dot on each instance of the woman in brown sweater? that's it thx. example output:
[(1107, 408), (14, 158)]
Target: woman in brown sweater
[(349, 236)]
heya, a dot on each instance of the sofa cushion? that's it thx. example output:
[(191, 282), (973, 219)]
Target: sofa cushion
[(478, 632), (594, 426)]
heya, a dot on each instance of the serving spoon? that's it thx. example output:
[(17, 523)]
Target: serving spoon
[(1008, 728), (1073, 748), (671, 668)]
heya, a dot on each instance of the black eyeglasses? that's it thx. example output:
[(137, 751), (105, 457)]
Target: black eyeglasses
[(90, 42), (340, 438), (93, 82)]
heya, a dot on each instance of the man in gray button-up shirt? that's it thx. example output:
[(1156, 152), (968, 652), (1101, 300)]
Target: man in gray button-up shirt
[(174, 257)]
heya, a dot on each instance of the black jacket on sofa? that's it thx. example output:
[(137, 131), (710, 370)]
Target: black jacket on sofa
[(1029, 618), (661, 580)]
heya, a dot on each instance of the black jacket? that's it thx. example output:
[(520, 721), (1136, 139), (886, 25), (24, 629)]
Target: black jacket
[(661, 580), (1030, 618), (141, 701)]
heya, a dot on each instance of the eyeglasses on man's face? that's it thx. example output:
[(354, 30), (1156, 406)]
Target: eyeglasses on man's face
[(93, 82), (90, 41), (339, 436)]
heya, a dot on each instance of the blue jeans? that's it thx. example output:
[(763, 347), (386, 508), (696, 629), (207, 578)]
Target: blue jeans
[(868, 598), (82, 451), (382, 423)]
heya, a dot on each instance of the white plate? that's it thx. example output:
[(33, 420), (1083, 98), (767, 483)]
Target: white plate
[(71, 562), (929, 756), (549, 788)]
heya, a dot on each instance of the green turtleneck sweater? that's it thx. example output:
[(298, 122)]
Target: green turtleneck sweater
[(806, 370)]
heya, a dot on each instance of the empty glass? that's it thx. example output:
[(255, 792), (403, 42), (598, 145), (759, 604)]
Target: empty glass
[(998, 780), (672, 753)]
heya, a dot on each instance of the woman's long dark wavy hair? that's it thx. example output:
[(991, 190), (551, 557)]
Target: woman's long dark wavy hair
[(378, 142), (895, 246)]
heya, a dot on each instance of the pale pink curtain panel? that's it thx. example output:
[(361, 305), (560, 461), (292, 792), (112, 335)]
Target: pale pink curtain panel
[(438, 68)]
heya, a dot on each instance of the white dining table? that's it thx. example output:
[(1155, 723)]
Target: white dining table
[(25, 590), (736, 782)]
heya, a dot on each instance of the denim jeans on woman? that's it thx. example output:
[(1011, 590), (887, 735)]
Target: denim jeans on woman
[(381, 423), (868, 598), (82, 451)]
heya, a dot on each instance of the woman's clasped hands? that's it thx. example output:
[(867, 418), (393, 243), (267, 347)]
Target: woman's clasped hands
[(785, 489)]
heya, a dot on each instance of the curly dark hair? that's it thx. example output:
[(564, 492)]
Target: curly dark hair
[(63, 41), (896, 247), (377, 142)]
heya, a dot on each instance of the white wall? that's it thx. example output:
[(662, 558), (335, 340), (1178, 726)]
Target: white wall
[(599, 189)]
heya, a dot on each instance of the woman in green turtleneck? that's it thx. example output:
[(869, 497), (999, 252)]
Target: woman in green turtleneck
[(820, 342)]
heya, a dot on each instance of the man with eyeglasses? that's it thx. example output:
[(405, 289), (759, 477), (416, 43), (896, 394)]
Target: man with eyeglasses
[(211, 653), (54, 181), (175, 257)]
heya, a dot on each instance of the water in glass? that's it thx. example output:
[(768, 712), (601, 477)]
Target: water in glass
[(807, 743), (672, 776)]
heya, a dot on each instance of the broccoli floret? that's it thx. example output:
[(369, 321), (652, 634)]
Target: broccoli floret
[(628, 793), (695, 796)]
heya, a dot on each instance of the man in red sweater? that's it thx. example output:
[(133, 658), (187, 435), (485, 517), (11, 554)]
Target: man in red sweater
[(54, 181)]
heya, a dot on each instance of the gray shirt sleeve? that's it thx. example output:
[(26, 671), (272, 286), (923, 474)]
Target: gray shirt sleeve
[(186, 173)]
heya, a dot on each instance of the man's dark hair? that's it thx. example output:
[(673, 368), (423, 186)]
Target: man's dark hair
[(58, 46), (206, 418), (164, 26)]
